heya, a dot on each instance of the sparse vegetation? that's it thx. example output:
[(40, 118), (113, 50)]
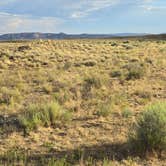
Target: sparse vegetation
[(58, 96)]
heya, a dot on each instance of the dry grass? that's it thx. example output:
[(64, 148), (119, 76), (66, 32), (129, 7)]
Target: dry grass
[(104, 83)]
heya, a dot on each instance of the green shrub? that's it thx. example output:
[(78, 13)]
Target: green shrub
[(7, 96), (116, 73), (44, 115), (67, 65), (23, 48), (90, 82), (114, 44), (93, 81), (104, 110), (150, 129), (127, 113), (135, 71), (62, 96), (89, 63)]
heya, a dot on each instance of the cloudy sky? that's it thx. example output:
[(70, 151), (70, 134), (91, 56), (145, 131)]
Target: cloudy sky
[(83, 16)]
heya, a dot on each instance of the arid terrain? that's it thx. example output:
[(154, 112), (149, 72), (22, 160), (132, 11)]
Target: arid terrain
[(74, 102)]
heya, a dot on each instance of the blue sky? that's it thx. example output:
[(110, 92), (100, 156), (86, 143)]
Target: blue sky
[(83, 16)]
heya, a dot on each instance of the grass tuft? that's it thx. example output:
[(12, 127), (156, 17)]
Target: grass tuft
[(44, 115)]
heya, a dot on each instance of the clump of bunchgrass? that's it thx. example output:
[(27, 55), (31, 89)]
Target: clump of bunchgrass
[(8, 95), (104, 110), (48, 114), (127, 113)]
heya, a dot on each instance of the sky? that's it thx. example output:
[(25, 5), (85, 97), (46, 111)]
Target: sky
[(83, 16)]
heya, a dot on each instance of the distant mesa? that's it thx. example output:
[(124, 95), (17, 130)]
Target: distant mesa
[(37, 35)]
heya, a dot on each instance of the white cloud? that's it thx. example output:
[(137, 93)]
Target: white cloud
[(154, 8), (23, 23), (5, 2), (84, 8), (88, 6), (149, 6), (68, 10)]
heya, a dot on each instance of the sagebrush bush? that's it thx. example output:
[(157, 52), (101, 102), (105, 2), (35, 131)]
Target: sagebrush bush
[(89, 63), (93, 82), (104, 110), (135, 71), (90, 82), (116, 73), (44, 115), (150, 129)]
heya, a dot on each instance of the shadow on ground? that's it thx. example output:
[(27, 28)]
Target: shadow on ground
[(118, 152), (97, 153), (9, 124)]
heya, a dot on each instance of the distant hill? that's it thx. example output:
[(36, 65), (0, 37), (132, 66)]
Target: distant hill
[(159, 36), (30, 36), (36, 35), (147, 37)]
